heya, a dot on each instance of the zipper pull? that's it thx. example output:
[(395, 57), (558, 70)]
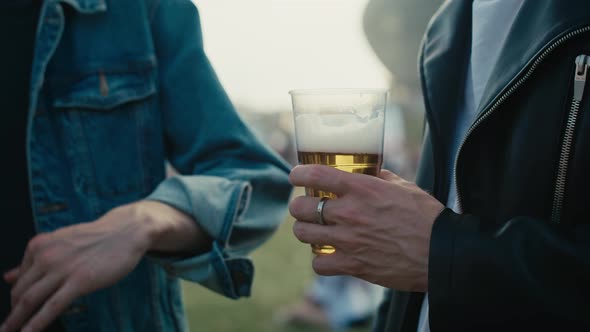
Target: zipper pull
[(582, 63)]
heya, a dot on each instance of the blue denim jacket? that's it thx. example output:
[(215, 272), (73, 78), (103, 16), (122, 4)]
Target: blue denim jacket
[(118, 88)]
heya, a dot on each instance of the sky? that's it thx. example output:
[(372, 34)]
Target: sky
[(261, 49)]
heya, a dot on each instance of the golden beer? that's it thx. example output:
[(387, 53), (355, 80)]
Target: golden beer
[(340, 128), (361, 163)]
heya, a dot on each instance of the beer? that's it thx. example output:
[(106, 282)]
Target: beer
[(341, 141), (361, 163)]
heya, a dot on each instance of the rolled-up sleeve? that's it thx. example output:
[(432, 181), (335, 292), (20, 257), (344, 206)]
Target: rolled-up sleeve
[(231, 183)]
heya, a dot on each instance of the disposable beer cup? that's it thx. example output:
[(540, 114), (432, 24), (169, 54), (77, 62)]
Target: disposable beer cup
[(341, 128)]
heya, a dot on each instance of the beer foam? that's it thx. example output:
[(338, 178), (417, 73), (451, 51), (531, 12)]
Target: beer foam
[(339, 132)]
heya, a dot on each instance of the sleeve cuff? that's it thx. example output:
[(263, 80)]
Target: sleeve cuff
[(215, 270), (217, 204), (455, 253), (442, 243)]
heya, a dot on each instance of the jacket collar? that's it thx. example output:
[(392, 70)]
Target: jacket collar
[(538, 25), (447, 44), (445, 50), (86, 6)]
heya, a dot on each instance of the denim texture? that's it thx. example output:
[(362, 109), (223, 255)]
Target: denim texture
[(118, 89)]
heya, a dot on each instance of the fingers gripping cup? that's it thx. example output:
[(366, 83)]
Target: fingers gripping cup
[(341, 128)]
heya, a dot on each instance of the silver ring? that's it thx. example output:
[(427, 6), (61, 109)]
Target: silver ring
[(320, 210)]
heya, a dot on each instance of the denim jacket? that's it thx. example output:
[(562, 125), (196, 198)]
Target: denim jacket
[(118, 88)]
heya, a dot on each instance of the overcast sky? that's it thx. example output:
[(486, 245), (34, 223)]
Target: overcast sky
[(261, 49)]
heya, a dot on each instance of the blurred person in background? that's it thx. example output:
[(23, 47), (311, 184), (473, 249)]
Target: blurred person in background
[(337, 303), (502, 244), (96, 96), (394, 30)]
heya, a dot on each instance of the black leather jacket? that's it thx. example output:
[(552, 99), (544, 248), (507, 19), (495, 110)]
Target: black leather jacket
[(518, 258)]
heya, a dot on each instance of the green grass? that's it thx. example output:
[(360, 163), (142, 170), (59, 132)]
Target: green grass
[(283, 270)]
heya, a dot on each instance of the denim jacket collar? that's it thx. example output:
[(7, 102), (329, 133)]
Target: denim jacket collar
[(86, 6)]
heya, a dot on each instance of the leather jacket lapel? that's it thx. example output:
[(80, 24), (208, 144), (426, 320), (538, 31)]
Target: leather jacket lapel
[(535, 27)]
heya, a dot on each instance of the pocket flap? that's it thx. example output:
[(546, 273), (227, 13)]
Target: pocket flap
[(105, 90)]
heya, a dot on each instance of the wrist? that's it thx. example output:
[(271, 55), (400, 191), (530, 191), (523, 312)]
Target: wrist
[(165, 229), (148, 227)]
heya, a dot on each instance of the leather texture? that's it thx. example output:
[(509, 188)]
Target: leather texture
[(504, 265)]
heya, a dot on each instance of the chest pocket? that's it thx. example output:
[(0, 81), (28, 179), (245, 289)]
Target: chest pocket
[(108, 123)]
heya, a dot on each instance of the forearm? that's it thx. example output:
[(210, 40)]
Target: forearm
[(168, 230)]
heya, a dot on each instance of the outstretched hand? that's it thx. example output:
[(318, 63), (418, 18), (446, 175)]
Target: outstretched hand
[(380, 226)]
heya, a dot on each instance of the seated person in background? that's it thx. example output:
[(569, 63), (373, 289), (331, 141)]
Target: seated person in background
[(335, 302), (96, 96)]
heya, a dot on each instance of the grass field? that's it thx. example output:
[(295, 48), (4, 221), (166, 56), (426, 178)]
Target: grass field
[(283, 270)]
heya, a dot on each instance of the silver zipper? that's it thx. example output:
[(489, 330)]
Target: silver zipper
[(582, 63), (535, 63)]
